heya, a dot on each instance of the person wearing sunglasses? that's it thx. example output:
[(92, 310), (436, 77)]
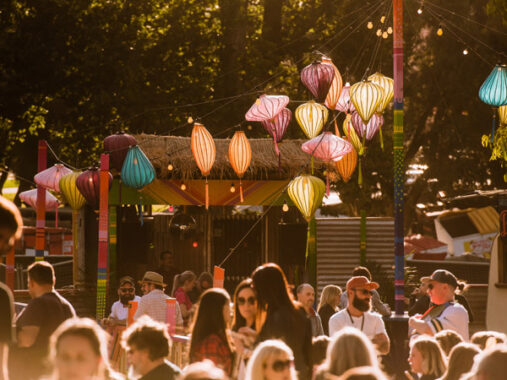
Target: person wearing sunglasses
[(358, 314), (120, 309), (271, 360)]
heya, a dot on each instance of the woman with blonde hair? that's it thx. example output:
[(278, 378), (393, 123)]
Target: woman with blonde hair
[(427, 358), (328, 305), (349, 348), (271, 360), (461, 360)]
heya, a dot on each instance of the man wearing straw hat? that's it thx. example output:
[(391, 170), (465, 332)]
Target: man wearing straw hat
[(153, 303)]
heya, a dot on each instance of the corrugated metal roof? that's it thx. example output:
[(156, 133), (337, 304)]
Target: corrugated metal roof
[(338, 242), (485, 219)]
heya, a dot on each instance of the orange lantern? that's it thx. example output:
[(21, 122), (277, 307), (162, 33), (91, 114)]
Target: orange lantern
[(347, 165), (240, 155), (204, 152), (336, 86)]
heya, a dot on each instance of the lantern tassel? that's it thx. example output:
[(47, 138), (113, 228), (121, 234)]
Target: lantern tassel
[(56, 216), (312, 164), (493, 127), (381, 138), (206, 194), (241, 191), (327, 183), (277, 151), (141, 209), (360, 174)]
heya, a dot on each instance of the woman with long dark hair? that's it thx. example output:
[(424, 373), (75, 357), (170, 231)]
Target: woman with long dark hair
[(211, 332), (282, 320), (245, 306)]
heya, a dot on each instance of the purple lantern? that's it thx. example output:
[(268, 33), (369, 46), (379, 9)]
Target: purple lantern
[(369, 130), (88, 184), (266, 107), (278, 126), (318, 77), (117, 146)]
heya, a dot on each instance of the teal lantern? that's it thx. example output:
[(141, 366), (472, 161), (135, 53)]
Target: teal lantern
[(137, 172), (494, 92)]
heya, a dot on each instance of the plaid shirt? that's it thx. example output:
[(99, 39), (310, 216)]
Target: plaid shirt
[(154, 305), (215, 349)]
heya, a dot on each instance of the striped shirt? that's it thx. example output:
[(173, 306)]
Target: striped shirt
[(454, 317)]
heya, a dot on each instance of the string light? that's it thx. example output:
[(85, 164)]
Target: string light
[(369, 25), (190, 120), (183, 186), (195, 244), (440, 31), (285, 206), (385, 35), (420, 10), (379, 32), (382, 19), (170, 167), (233, 188), (465, 51), (390, 30)]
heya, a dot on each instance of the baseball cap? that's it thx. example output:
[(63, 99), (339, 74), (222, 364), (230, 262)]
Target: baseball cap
[(127, 279), (443, 276), (361, 282)]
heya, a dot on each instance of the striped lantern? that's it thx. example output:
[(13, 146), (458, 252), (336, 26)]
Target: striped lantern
[(335, 90), (30, 198), (368, 130), (366, 97), (311, 117), (347, 165), (306, 192), (88, 184), (344, 103), (137, 170), (204, 152), (277, 127), (387, 85), (350, 132), (240, 155), (494, 89), (50, 177), (117, 146), (318, 77), (266, 107), (502, 115)]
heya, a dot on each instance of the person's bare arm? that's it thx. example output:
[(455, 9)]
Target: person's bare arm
[(381, 342), (420, 326), (27, 335), (4, 350)]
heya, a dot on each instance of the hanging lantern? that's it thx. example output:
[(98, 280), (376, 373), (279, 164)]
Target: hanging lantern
[(344, 104), (367, 131), (318, 77), (117, 146), (88, 184), (240, 155), (327, 147), (277, 126), (311, 117), (30, 198), (306, 192), (266, 107), (335, 90), (502, 114), (387, 85), (70, 191), (50, 177), (346, 165), (350, 132), (204, 152), (137, 170), (494, 89), (366, 97)]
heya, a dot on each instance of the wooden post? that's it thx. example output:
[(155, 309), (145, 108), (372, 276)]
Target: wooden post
[(9, 269), (40, 224), (103, 236)]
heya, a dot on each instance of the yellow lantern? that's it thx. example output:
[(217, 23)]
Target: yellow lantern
[(240, 155), (311, 117), (350, 132), (204, 152), (366, 97), (306, 192), (502, 114), (387, 85), (336, 85), (346, 165)]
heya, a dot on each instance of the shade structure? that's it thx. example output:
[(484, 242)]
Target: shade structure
[(240, 155), (317, 77), (30, 198), (311, 117), (70, 191), (306, 191), (88, 184), (350, 132), (333, 95), (494, 89), (137, 170), (50, 177), (204, 152), (277, 126), (344, 103), (366, 97), (387, 85), (346, 165), (367, 130), (266, 107), (502, 115), (117, 146)]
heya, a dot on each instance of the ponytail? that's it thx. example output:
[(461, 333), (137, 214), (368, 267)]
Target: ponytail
[(181, 278)]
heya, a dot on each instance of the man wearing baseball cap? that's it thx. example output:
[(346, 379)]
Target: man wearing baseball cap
[(443, 313), (358, 314), (120, 309)]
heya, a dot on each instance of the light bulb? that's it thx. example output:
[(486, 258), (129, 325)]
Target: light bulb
[(249, 127), (465, 51), (369, 25), (390, 30), (385, 35), (382, 19), (183, 186), (170, 167), (195, 244), (379, 32), (232, 189), (420, 10), (285, 206), (190, 120), (440, 31)]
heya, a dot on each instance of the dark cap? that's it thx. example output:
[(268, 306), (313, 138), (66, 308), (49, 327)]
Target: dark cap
[(443, 276), (128, 279)]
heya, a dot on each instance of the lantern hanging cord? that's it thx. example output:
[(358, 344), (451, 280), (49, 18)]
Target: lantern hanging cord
[(18, 177), (58, 158)]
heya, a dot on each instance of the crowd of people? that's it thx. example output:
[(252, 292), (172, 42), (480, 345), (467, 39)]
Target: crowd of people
[(264, 332)]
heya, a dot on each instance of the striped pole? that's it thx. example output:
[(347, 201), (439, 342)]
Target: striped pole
[(103, 236), (398, 157), (112, 269), (40, 224)]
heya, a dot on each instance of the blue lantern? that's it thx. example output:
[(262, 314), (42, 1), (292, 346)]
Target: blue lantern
[(137, 172), (494, 89)]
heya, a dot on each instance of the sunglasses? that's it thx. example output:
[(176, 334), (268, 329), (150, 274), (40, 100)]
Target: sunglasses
[(250, 300), (281, 365), (430, 286), (127, 290), (364, 292)]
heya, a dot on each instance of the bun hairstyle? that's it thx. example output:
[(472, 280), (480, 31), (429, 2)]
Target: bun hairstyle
[(462, 286)]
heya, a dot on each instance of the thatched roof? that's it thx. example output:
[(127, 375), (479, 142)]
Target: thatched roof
[(175, 150)]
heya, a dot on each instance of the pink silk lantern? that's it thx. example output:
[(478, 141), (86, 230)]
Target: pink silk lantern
[(30, 198), (369, 130), (344, 103), (266, 107), (328, 148), (318, 77), (50, 177), (278, 126)]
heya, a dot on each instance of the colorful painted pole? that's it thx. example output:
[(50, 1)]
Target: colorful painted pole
[(399, 169), (311, 253), (111, 277), (40, 224), (103, 236)]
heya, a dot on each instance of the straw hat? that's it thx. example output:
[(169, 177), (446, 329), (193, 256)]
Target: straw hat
[(153, 278)]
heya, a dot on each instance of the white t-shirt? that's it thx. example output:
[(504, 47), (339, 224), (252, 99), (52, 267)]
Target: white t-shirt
[(120, 311), (372, 324), (454, 317)]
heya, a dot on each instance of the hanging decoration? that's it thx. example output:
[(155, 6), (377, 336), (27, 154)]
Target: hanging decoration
[(204, 152), (494, 92), (117, 146), (311, 117), (50, 177), (266, 107), (137, 172), (30, 198), (366, 97), (88, 184), (387, 85), (318, 77), (344, 103), (335, 90), (346, 165), (277, 127), (367, 131), (306, 192), (240, 155), (353, 138), (327, 147)]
